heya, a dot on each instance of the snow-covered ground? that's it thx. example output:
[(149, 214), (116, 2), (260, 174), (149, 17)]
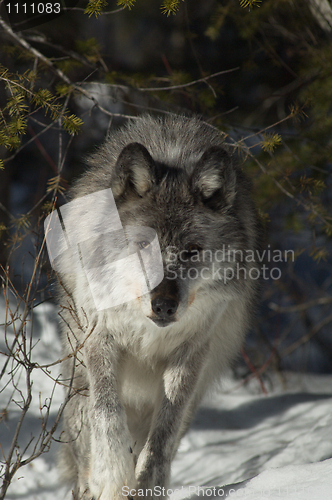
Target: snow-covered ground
[(242, 444)]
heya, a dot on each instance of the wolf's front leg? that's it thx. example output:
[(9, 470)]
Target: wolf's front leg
[(111, 459), (170, 419)]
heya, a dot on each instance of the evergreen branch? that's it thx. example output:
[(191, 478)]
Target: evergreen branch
[(42, 98), (268, 127), (250, 3), (271, 141), (308, 206), (55, 184), (95, 7), (17, 151), (126, 3), (22, 222), (169, 7), (20, 41)]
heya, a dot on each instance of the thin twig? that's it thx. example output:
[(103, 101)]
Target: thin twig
[(184, 85), (305, 338), (300, 307)]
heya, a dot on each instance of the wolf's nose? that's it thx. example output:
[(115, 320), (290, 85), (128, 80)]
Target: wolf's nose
[(164, 307)]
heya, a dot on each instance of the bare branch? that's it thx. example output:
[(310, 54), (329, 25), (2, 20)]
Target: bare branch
[(300, 307), (184, 85)]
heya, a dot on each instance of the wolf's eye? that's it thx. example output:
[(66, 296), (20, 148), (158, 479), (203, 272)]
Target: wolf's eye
[(143, 244), (193, 249)]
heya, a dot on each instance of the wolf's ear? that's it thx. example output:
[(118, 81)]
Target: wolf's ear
[(214, 178), (134, 170)]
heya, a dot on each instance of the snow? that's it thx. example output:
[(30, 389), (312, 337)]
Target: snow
[(239, 435), (242, 443)]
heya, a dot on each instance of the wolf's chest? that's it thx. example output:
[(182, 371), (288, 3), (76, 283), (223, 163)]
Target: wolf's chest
[(138, 383)]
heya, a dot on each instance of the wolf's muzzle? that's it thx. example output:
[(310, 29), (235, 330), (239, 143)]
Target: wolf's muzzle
[(164, 309)]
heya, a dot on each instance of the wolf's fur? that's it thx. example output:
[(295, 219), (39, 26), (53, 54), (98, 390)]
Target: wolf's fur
[(141, 373)]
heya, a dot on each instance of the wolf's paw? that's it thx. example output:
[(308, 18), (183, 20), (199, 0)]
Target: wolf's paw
[(152, 475), (107, 491), (109, 480)]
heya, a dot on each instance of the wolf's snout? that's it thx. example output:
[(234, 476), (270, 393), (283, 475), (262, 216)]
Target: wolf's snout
[(164, 307)]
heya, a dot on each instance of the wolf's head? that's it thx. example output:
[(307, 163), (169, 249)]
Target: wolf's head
[(199, 211)]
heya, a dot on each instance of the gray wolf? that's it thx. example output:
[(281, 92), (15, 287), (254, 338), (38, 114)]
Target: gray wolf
[(142, 366)]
